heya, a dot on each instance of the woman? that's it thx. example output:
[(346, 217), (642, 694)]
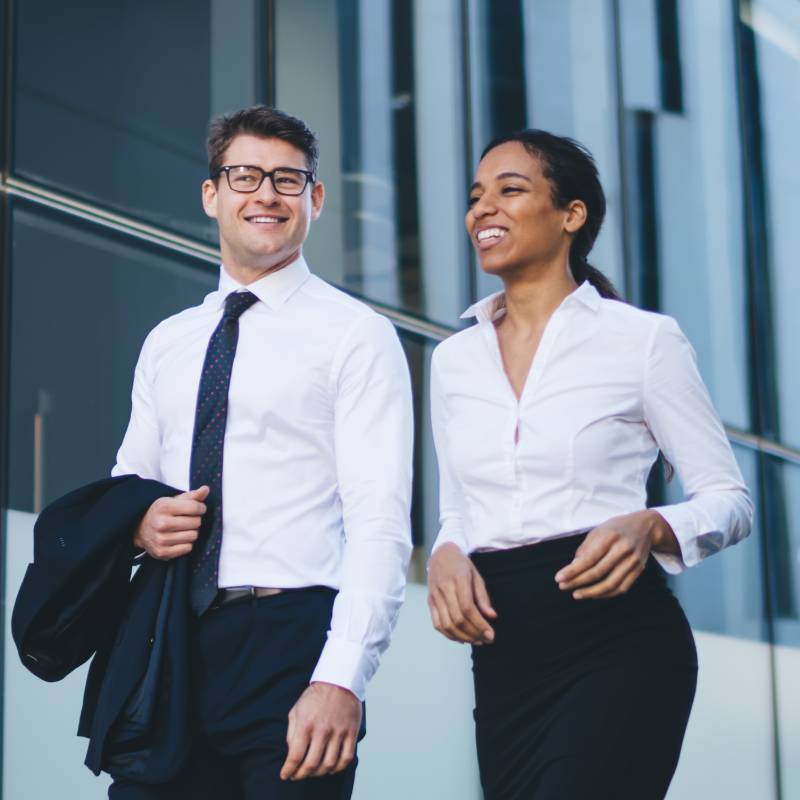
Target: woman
[(547, 416)]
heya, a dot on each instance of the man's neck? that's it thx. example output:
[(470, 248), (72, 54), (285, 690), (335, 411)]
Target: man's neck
[(247, 274)]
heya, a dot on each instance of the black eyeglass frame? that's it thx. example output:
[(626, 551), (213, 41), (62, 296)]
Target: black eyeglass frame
[(309, 176)]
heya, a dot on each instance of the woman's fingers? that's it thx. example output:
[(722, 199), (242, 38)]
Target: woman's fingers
[(454, 613), (461, 608), (457, 597), (628, 568), (482, 595), (592, 550), (446, 624), (597, 571)]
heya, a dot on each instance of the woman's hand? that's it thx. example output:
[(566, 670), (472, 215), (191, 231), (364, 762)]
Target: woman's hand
[(613, 555), (457, 597)]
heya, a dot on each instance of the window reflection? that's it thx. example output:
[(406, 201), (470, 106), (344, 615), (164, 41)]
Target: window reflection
[(775, 27), (725, 594), (99, 295), (112, 99), (386, 105)]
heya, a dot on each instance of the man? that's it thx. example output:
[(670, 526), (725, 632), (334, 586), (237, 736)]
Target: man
[(283, 407)]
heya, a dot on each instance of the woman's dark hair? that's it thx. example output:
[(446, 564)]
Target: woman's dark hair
[(572, 173)]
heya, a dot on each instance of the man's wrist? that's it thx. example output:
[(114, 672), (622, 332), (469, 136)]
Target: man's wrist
[(334, 688)]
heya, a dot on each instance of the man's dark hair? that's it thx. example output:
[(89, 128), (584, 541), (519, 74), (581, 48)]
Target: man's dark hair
[(260, 120)]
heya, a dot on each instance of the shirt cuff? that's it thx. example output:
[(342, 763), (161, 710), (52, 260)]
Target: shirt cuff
[(345, 664), (684, 527), (450, 537)]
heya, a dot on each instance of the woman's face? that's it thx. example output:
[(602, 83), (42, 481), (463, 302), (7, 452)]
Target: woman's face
[(511, 218)]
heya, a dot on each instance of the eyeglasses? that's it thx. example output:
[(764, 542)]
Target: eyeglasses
[(285, 180)]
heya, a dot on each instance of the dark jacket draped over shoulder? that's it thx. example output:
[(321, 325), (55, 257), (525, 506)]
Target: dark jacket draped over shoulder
[(78, 600)]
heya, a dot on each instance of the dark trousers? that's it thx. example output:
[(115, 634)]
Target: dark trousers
[(251, 661), (579, 699)]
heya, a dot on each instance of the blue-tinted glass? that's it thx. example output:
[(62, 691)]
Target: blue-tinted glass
[(725, 593), (82, 303), (685, 198), (386, 103), (775, 25)]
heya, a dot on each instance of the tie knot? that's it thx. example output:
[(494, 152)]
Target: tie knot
[(236, 303)]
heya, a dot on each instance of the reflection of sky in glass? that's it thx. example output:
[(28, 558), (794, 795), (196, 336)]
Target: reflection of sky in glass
[(777, 27), (725, 593)]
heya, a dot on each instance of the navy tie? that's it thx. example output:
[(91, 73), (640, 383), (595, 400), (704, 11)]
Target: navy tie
[(208, 445)]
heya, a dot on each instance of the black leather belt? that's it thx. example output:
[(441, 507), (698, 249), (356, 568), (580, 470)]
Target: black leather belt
[(227, 596)]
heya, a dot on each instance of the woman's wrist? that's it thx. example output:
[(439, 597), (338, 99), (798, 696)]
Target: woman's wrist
[(662, 537)]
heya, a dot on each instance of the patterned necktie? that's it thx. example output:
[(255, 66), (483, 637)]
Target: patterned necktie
[(208, 444)]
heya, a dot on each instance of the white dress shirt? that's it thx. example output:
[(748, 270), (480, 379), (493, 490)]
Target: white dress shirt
[(608, 387), (318, 450)]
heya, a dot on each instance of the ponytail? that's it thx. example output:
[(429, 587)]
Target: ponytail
[(582, 271), (572, 173)]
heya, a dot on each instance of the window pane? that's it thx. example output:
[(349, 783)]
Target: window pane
[(425, 497), (385, 102), (683, 162), (787, 626), (82, 303), (725, 593), (776, 27), (112, 99)]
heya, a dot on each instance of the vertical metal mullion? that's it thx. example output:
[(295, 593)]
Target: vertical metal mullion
[(468, 94), (6, 160), (265, 48), (761, 351), (6, 89), (622, 149)]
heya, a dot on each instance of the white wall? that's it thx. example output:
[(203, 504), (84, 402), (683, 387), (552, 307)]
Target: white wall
[(419, 716), (42, 756)]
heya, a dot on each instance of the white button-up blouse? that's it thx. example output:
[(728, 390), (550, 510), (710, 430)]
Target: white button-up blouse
[(609, 386)]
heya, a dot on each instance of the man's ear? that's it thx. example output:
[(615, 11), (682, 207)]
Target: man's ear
[(209, 197), (317, 199)]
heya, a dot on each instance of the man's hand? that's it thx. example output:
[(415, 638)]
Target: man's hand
[(613, 555), (457, 597), (323, 728), (170, 526)]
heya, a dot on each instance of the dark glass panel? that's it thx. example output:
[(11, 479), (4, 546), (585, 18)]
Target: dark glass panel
[(113, 97), (82, 302)]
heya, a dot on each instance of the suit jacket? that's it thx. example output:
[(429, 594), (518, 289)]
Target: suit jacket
[(78, 599)]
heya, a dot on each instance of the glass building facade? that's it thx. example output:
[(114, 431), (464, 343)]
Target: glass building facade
[(692, 110)]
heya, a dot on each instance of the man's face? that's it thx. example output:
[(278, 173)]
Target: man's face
[(261, 231)]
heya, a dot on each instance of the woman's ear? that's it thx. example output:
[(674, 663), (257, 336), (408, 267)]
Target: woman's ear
[(576, 216)]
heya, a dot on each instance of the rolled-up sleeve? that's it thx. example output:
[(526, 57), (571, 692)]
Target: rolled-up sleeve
[(451, 504), (718, 510), (373, 437)]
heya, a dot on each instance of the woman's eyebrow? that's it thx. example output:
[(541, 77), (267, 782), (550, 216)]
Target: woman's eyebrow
[(503, 175), (500, 177)]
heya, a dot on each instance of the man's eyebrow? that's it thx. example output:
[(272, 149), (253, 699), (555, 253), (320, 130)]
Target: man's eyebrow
[(500, 177)]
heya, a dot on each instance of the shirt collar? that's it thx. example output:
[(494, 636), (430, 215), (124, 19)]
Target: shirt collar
[(273, 289), (494, 306)]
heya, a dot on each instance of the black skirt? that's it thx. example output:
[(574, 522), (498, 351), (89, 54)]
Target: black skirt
[(579, 698)]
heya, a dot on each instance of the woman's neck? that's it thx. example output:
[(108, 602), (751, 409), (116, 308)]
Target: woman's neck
[(531, 299)]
